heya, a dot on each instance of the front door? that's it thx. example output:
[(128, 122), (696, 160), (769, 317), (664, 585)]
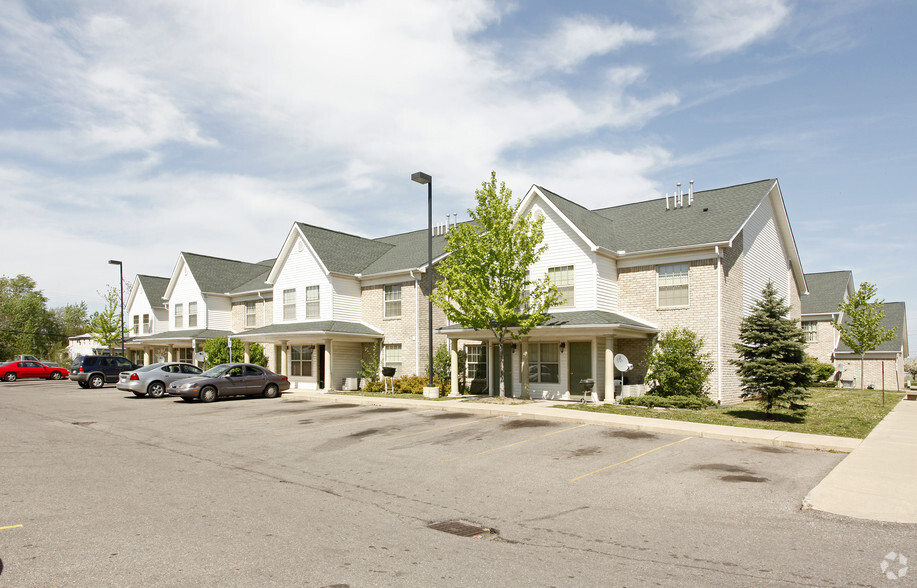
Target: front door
[(507, 370), (580, 365), (321, 367)]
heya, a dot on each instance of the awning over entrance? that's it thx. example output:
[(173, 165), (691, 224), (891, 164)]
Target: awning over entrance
[(311, 330), (176, 338), (582, 320)]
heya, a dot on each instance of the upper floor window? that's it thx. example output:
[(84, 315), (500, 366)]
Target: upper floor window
[(179, 313), (672, 281), (810, 328), (562, 277), (192, 314), (289, 305), (146, 324), (136, 329), (249, 314), (313, 305), (393, 301)]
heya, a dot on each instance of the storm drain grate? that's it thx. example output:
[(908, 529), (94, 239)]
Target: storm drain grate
[(462, 529)]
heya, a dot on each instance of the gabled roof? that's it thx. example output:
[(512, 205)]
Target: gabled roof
[(714, 216), (895, 316), (342, 253), (154, 287), (313, 328), (217, 275), (826, 291)]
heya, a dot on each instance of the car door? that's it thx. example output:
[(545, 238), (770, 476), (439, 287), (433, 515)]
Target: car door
[(255, 380), (30, 369), (233, 382)]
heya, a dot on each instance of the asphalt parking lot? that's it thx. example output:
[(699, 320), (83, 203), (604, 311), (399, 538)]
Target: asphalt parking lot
[(103, 488)]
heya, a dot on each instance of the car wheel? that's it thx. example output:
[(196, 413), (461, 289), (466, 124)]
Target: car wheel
[(270, 391), (10, 376), (139, 394), (156, 390), (96, 381), (83, 384), (208, 394), (55, 376)]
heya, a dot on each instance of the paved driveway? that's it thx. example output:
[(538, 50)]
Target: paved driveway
[(103, 489)]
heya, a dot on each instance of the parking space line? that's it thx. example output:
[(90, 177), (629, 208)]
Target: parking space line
[(434, 429), (512, 444), (630, 459), (341, 424), (10, 527)]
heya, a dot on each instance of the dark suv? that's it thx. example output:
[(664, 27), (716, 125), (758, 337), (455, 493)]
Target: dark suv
[(92, 371)]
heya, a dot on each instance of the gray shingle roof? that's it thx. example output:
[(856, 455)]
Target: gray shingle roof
[(184, 335), (315, 327), (219, 275), (895, 313), (826, 291), (715, 216), (155, 288), (584, 318)]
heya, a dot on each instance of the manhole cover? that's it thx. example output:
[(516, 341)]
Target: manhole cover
[(462, 529)]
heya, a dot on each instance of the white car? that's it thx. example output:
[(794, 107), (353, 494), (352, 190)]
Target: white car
[(153, 380)]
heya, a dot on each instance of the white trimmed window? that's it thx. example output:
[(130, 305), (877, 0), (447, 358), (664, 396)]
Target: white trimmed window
[(393, 301), (179, 313), (192, 314), (810, 328), (562, 277), (672, 282), (301, 360), (313, 305), (146, 324), (185, 354), (476, 361), (391, 355), (544, 363), (136, 329), (250, 315), (289, 304)]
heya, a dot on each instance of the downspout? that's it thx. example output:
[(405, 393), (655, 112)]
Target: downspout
[(719, 325), (416, 319)]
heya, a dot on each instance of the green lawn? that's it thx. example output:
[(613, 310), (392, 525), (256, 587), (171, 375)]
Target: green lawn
[(832, 411)]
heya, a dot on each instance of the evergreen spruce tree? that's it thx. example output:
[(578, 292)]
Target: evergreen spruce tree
[(772, 364)]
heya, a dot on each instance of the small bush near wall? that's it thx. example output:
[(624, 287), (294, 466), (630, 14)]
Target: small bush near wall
[(827, 384), (651, 401), (415, 384)]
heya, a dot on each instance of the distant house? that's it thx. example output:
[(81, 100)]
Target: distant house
[(883, 368), (84, 345), (827, 290)]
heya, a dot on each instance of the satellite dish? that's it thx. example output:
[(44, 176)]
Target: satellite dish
[(621, 363), (840, 367)]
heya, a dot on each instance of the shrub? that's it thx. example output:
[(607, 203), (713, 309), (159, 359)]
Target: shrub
[(677, 366), (653, 401), (822, 371), (416, 384), (372, 386)]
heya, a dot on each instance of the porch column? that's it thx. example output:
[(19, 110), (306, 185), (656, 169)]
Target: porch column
[(453, 368), (524, 367), (610, 369), (169, 353), (283, 370), (329, 371), (146, 355), (247, 356)]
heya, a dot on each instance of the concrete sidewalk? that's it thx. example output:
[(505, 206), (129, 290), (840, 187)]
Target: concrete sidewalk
[(878, 480)]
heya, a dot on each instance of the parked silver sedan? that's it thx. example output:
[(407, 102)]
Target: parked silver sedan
[(153, 380)]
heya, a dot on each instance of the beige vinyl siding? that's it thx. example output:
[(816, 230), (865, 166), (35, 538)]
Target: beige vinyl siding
[(347, 300), (219, 314), (606, 283), (764, 257), (565, 248), (346, 361)]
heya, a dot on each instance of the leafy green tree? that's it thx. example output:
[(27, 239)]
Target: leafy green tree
[(862, 329), (910, 366), (217, 351), (370, 363), (772, 360), (26, 325), (677, 364), (442, 365), (485, 283), (106, 325)]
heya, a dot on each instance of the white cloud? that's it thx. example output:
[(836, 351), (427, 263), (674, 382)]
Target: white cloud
[(716, 27)]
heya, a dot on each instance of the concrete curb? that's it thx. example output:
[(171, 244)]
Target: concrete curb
[(544, 410)]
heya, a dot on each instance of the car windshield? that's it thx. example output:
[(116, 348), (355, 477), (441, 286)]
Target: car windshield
[(147, 368), (217, 371)]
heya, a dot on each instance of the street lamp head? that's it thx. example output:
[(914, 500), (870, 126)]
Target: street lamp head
[(421, 178), (114, 262)]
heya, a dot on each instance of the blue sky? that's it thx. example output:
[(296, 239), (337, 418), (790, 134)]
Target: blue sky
[(136, 130)]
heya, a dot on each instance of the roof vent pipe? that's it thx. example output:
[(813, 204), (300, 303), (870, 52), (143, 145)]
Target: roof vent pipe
[(690, 192), (681, 195), (666, 200), (454, 219)]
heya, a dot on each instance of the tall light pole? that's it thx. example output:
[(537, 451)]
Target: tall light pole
[(121, 280), (422, 178)]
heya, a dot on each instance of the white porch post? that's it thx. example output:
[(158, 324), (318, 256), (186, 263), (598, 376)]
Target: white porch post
[(246, 354), (283, 370), (453, 368), (169, 353), (329, 371), (146, 355), (610, 369)]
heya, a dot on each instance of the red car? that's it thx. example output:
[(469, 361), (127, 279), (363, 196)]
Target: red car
[(14, 370)]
